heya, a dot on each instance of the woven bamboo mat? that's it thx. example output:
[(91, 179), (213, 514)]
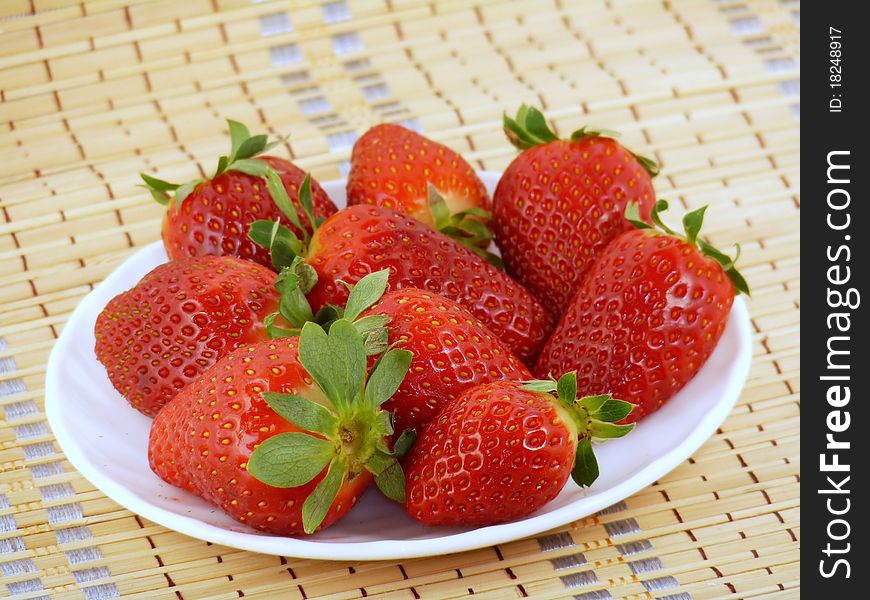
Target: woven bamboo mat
[(92, 93)]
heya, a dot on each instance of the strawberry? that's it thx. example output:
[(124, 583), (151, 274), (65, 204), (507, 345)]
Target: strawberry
[(648, 315), (212, 217), (560, 202), (396, 168), (361, 239), (178, 321), (285, 435), (452, 352), (502, 450)]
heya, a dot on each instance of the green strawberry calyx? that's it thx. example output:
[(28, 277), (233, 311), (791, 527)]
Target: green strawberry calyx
[(593, 417), (242, 158), (529, 128), (294, 310), (347, 435), (692, 223), (468, 227), (284, 245)]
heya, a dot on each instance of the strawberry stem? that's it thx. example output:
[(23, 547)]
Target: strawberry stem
[(343, 438), (692, 223), (593, 418), (467, 227), (243, 149), (529, 128), (294, 283)]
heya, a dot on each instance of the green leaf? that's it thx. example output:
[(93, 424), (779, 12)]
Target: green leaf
[(728, 264), (473, 228), (336, 361), (282, 243), (540, 385), (585, 469), (238, 134), (536, 124), (306, 273), (251, 147), (371, 323), (327, 315), (475, 236), (632, 215), (287, 280), (391, 480), (376, 341), (284, 246), (649, 165), (294, 306), (303, 413), (184, 191), (738, 281), (384, 426), (566, 388), (282, 200), (387, 376), (223, 161), (374, 332), (305, 199), (319, 358), (592, 404), (276, 142), (251, 166), (723, 259), (438, 208), (522, 113), (582, 133), (378, 462), (275, 332), (515, 133), (529, 128), (474, 211), (613, 410), (260, 232), (158, 184), (659, 207), (161, 198), (404, 442), (692, 222), (290, 459), (317, 505), (298, 274), (159, 189), (606, 431), (366, 292), (602, 132)]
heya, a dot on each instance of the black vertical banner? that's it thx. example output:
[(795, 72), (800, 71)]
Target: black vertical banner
[(835, 363)]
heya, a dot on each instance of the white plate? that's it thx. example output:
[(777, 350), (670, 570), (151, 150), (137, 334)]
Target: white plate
[(107, 442)]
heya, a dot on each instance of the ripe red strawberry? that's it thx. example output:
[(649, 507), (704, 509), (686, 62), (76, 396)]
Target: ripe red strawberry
[(394, 167), (560, 202), (284, 435), (212, 217), (452, 352), (648, 315), (178, 321), (362, 239), (502, 450)]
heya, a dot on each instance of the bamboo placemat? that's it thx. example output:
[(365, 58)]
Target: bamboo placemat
[(92, 93)]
